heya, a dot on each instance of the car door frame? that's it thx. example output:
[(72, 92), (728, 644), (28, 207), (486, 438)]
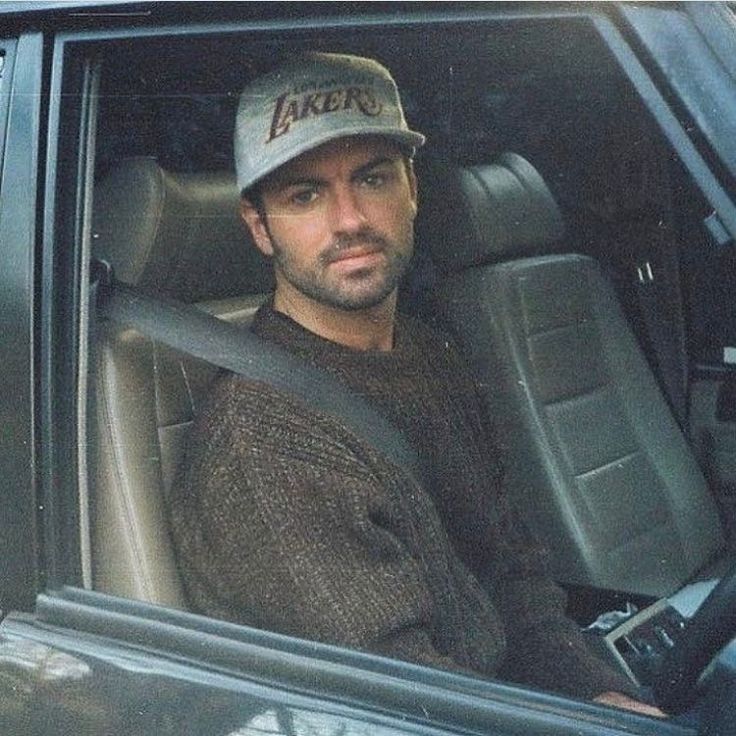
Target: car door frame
[(367, 684), (20, 125), (201, 656)]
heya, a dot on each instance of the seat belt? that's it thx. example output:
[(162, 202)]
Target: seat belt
[(200, 335)]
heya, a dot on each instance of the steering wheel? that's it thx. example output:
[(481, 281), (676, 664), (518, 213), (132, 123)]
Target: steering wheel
[(712, 626)]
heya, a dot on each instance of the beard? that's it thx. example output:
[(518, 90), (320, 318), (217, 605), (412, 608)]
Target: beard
[(363, 288)]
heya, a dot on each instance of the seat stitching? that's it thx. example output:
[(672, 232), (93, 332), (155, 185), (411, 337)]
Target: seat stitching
[(560, 327), (578, 396), (619, 460)]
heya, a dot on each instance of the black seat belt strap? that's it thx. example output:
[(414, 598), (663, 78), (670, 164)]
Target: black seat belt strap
[(191, 331)]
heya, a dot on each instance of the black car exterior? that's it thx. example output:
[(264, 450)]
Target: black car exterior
[(75, 660)]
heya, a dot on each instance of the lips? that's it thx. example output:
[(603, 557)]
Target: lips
[(357, 247), (356, 253)]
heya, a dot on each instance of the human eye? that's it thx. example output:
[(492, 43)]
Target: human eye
[(374, 180), (303, 196)]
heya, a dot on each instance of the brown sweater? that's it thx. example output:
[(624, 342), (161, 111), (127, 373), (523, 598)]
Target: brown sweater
[(287, 521)]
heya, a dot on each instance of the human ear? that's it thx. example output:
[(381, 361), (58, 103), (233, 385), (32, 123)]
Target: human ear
[(254, 220)]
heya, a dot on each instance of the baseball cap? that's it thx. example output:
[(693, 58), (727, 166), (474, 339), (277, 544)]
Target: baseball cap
[(312, 99)]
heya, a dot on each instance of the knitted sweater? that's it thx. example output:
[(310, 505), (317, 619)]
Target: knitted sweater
[(285, 520)]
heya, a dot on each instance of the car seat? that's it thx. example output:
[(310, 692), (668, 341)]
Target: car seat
[(597, 465), (176, 235)]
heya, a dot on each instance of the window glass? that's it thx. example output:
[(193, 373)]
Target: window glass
[(550, 93)]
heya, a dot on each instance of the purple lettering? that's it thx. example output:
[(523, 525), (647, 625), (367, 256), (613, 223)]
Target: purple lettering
[(368, 104), (290, 110), (352, 94), (284, 115), (310, 105), (333, 100)]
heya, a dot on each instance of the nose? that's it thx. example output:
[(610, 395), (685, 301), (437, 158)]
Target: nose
[(346, 212)]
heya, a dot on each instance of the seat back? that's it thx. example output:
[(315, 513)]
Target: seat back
[(597, 465), (179, 236)]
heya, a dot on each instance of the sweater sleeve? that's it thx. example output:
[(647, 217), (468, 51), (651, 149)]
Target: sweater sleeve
[(548, 650), (279, 527)]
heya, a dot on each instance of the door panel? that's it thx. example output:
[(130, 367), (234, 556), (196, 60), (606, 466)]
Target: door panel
[(700, 80), (708, 266), (92, 664)]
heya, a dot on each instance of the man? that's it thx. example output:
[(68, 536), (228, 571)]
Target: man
[(290, 522)]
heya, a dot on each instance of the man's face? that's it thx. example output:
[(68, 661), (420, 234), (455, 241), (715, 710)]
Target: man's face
[(339, 222)]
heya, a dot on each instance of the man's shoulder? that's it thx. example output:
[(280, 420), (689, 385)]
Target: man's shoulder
[(233, 395), (257, 423), (244, 408)]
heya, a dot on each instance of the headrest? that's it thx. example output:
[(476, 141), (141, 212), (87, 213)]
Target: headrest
[(178, 235), (490, 213)]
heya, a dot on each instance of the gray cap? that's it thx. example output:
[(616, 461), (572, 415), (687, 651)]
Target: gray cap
[(313, 99)]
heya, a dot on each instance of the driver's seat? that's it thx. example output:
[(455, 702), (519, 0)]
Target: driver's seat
[(599, 467), (175, 235)]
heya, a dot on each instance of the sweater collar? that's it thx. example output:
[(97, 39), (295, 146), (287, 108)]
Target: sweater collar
[(282, 329)]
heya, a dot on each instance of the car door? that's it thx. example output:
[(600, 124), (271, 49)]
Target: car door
[(89, 664), (76, 660)]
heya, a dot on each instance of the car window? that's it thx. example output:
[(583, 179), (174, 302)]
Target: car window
[(547, 89)]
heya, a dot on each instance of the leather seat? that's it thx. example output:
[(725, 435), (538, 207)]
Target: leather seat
[(179, 236), (598, 466)]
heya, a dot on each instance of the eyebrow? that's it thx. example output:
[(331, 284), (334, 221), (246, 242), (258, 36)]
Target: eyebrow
[(374, 164), (297, 181)]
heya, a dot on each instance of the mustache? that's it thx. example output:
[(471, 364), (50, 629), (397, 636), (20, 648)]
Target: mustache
[(364, 237)]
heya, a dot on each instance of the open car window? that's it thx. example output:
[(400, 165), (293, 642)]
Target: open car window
[(151, 191)]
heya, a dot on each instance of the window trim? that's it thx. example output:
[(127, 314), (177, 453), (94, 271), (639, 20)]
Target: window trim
[(20, 126), (131, 621), (367, 683)]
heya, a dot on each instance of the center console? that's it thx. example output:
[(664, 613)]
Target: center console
[(639, 643)]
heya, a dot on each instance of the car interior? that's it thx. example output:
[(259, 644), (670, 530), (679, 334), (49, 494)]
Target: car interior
[(547, 196)]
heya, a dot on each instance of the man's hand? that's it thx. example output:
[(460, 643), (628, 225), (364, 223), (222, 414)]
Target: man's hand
[(619, 700)]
